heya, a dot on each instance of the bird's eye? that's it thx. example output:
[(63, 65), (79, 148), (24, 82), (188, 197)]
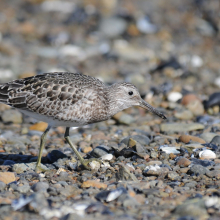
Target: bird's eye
[(130, 93)]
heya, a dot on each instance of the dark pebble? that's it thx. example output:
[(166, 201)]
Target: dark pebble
[(100, 151), (143, 140), (2, 185), (216, 141), (8, 162), (198, 170), (40, 186)]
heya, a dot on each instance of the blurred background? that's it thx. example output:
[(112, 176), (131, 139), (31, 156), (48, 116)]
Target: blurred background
[(160, 46)]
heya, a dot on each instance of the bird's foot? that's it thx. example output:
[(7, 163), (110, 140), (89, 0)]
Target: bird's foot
[(39, 169), (86, 163)]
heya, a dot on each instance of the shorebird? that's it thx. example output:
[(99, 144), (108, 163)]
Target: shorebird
[(70, 100)]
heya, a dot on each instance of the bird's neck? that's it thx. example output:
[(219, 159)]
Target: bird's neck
[(115, 104)]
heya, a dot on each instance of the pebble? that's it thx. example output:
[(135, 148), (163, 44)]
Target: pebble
[(184, 115), (93, 183), (113, 26), (22, 167), (187, 99), (198, 170), (7, 177), (216, 140), (40, 186), (13, 116), (207, 136), (141, 139), (193, 207), (40, 126), (183, 162), (2, 185), (100, 151), (187, 138), (180, 127)]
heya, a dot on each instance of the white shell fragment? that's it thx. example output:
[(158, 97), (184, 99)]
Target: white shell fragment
[(107, 157), (174, 96), (169, 150), (95, 165), (105, 164), (207, 154), (114, 194)]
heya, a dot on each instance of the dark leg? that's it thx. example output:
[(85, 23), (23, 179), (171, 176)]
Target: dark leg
[(83, 161), (42, 143)]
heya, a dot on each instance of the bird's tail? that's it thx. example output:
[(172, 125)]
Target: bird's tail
[(4, 93)]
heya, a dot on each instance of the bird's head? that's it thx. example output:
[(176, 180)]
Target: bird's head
[(127, 95)]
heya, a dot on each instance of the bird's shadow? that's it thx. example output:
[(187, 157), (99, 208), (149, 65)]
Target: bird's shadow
[(7, 159)]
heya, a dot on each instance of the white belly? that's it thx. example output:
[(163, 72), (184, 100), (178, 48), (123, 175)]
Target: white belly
[(51, 121)]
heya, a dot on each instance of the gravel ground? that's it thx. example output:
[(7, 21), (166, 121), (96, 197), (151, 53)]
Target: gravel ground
[(151, 169)]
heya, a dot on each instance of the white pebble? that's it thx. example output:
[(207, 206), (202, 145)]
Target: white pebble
[(174, 96), (105, 164), (207, 154), (107, 157)]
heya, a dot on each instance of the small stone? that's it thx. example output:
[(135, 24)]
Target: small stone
[(40, 126), (184, 115), (23, 189), (22, 167), (196, 107), (207, 136), (40, 186), (188, 98), (214, 174), (216, 141), (154, 162), (155, 170), (86, 150), (12, 115), (194, 207), (143, 140), (198, 170), (183, 162), (99, 151), (126, 119), (180, 127), (2, 185), (173, 176), (131, 143), (7, 177), (154, 154), (93, 183), (187, 138), (113, 26)]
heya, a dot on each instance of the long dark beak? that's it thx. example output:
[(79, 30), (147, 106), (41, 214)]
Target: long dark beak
[(150, 108)]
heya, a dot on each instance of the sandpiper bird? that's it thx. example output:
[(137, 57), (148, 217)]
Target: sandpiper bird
[(70, 100)]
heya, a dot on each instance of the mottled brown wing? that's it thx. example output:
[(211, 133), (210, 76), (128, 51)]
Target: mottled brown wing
[(47, 94)]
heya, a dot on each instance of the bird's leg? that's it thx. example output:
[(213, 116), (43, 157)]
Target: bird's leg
[(42, 143), (83, 161)]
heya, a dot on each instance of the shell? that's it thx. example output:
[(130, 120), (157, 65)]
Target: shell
[(107, 157), (174, 96), (207, 154), (95, 165)]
